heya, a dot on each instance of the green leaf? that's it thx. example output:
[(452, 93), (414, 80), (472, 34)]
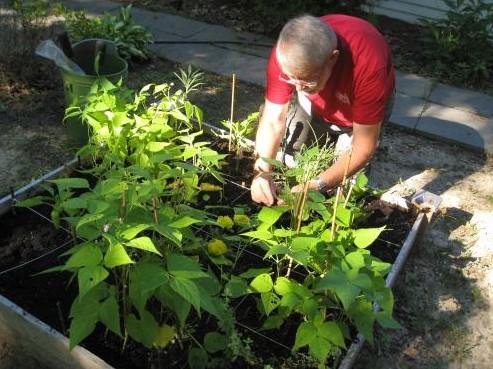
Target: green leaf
[(290, 300), (356, 260), (277, 250), (386, 321), (172, 234), (64, 183), (361, 180), (84, 311), (88, 219), (31, 202), (362, 314), (261, 235), (79, 329), (142, 330), (304, 335), (174, 302), (143, 243), (157, 146), (236, 287), (215, 342), (344, 216), (188, 290), (184, 267), (109, 315), (269, 215), (132, 231), (336, 281), (75, 203), (273, 322), (331, 332), (364, 237), (269, 301), (89, 277), (145, 278), (89, 254), (197, 358), (116, 255), (262, 283), (183, 222), (320, 348)]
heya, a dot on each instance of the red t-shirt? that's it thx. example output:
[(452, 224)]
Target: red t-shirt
[(361, 81)]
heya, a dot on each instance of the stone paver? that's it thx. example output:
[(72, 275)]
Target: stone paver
[(219, 60), (458, 126), (467, 100), (412, 85), (407, 110), (457, 115)]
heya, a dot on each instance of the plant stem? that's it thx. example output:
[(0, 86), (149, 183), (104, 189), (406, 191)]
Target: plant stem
[(332, 230), (299, 219), (154, 209), (232, 109)]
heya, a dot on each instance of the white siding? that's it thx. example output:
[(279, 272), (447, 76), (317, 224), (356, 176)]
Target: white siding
[(412, 10)]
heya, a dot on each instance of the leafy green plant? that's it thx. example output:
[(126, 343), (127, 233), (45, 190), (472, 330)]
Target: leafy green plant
[(459, 45), (131, 39), (240, 131), (134, 222), (337, 280)]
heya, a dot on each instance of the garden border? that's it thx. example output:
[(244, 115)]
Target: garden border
[(22, 326)]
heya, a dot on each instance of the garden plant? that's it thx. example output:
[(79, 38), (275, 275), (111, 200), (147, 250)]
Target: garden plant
[(163, 256)]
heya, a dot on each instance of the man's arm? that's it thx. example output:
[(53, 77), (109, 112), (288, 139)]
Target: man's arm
[(365, 139), (269, 135)]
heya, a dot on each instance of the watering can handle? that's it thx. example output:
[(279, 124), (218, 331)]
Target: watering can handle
[(100, 51), (64, 41)]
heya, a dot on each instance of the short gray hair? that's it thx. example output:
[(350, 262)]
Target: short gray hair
[(304, 44)]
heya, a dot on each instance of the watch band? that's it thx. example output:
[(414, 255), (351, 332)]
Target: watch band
[(322, 185)]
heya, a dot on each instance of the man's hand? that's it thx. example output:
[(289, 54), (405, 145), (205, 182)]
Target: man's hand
[(311, 185), (263, 189)]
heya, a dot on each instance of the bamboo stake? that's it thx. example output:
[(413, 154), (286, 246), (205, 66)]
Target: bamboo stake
[(299, 216), (232, 109), (339, 190)]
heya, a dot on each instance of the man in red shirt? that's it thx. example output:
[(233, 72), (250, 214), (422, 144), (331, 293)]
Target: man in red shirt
[(341, 69)]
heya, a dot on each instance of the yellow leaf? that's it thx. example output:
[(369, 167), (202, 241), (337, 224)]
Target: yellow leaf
[(225, 222), (209, 187), (216, 247), (165, 334)]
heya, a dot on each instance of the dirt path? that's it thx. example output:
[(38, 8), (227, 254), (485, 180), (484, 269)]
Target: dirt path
[(444, 299)]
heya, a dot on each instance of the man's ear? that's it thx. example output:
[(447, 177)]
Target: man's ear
[(334, 55)]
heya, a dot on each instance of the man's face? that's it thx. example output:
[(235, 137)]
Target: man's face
[(313, 81)]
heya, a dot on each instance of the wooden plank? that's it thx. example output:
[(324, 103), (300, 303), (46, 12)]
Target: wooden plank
[(28, 334)]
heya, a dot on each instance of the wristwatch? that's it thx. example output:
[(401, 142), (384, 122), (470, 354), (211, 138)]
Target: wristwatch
[(322, 185)]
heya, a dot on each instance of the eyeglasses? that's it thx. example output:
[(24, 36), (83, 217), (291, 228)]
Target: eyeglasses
[(298, 82)]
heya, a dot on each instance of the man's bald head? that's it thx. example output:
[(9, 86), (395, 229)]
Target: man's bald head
[(304, 45)]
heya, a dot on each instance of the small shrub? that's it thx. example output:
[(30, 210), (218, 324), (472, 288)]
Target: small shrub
[(131, 39), (458, 46)]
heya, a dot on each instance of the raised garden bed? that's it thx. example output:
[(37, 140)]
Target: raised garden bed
[(242, 269)]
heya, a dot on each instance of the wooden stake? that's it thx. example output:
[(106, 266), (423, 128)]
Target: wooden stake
[(339, 192), (232, 109)]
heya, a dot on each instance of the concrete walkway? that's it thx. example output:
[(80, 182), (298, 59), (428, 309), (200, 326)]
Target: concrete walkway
[(423, 106)]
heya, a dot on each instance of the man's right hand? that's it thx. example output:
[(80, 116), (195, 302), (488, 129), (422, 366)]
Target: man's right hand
[(263, 189)]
